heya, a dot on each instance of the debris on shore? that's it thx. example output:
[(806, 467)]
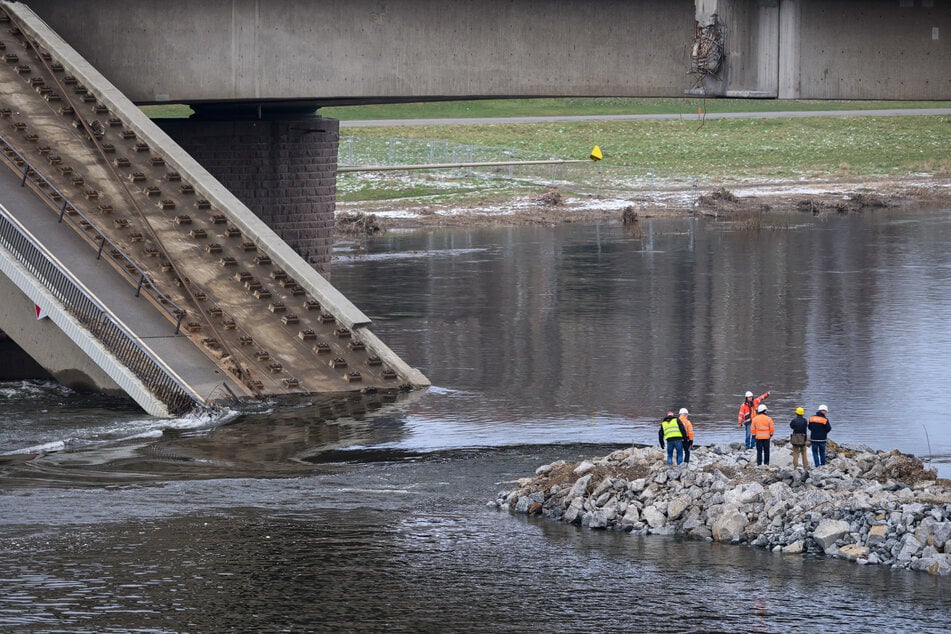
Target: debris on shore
[(357, 224), (871, 507)]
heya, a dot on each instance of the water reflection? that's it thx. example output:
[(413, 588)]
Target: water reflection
[(555, 323), (282, 440)]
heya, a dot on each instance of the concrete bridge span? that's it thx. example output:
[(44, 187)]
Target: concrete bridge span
[(357, 51)]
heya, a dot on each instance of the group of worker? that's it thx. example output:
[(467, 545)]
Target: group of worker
[(676, 432)]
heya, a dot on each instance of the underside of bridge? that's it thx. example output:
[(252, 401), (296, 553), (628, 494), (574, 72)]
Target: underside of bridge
[(146, 274)]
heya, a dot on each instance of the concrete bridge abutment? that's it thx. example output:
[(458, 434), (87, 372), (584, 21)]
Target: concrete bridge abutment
[(284, 168)]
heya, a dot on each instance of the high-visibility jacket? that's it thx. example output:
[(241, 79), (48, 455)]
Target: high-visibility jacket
[(687, 425), (819, 427), (747, 411), (762, 427), (671, 429)]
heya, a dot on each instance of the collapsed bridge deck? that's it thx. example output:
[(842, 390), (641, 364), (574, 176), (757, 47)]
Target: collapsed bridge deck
[(261, 315)]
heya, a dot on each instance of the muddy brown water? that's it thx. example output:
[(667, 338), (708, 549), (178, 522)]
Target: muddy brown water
[(542, 343)]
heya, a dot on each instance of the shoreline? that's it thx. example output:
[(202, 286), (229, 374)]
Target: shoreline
[(870, 507), (738, 200)]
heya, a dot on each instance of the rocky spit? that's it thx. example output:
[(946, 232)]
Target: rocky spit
[(871, 507)]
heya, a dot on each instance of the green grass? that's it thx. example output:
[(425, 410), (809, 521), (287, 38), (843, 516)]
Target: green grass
[(600, 106), (722, 148), (715, 150)]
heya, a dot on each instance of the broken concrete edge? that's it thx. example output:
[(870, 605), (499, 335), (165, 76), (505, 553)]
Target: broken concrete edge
[(238, 213), (124, 379), (414, 376)]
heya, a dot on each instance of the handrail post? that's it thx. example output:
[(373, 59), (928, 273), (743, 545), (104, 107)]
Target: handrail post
[(62, 212), (26, 171), (102, 243), (139, 287)]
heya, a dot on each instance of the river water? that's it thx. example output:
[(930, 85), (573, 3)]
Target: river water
[(542, 343)]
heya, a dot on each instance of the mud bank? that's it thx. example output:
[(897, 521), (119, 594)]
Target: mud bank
[(734, 200), (866, 506)]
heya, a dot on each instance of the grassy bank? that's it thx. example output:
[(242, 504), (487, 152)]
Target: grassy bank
[(602, 106), (689, 148), (722, 148)]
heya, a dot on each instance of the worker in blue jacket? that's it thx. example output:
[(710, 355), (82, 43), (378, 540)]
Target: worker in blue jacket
[(819, 428)]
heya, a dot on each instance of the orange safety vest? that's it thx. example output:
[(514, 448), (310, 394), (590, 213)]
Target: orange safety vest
[(747, 411), (687, 425), (762, 427)]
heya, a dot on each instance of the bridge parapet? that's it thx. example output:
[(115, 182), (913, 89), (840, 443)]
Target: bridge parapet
[(118, 351)]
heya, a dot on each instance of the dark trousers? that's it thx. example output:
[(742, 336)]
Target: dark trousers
[(688, 444), (762, 451)]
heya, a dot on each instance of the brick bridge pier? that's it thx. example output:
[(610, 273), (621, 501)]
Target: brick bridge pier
[(282, 163)]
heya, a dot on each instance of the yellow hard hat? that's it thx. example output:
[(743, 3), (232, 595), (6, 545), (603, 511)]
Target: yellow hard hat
[(800, 411)]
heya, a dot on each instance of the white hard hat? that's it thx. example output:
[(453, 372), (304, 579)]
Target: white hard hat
[(683, 410), (762, 408), (749, 395), (824, 408)]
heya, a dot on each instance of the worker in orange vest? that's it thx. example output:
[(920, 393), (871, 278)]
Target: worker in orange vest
[(746, 414), (762, 429), (688, 427), (819, 428)]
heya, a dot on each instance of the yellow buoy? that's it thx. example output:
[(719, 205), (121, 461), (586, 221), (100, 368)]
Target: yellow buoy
[(596, 154)]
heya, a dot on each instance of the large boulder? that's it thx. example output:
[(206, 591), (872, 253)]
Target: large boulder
[(678, 505), (909, 548), (602, 518), (876, 535), (654, 517), (942, 533), (853, 552), (584, 467), (744, 494), (730, 525), (828, 532), (580, 487), (631, 516), (573, 512), (939, 565)]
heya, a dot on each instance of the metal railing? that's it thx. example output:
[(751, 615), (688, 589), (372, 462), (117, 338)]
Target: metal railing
[(69, 212), (120, 342)]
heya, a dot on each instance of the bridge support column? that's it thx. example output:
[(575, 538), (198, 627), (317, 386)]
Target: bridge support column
[(790, 42), (283, 168), (751, 46)]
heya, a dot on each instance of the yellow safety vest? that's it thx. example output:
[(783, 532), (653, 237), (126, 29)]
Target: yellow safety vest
[(671, 429)]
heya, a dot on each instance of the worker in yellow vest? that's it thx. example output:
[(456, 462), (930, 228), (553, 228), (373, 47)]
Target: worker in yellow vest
[(672, 433), (762, 429)]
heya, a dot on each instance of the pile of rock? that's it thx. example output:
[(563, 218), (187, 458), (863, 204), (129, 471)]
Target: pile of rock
[(869, 507)]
